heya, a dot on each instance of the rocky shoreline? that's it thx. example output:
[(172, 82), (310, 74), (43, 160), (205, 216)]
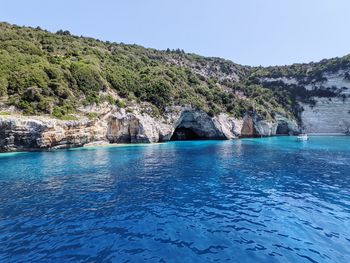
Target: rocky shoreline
[(26, 133), (116, 93)]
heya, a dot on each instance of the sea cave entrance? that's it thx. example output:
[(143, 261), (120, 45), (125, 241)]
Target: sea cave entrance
[(282, 128), (185, 134), (195, 125)]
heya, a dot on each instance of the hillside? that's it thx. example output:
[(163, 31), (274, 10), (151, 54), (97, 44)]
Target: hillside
[(46, 73), (143, 95)]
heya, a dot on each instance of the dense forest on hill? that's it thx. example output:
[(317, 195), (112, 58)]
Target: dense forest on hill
[(56, 73)]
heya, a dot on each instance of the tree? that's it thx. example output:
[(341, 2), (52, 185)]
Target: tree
[(63, 33)]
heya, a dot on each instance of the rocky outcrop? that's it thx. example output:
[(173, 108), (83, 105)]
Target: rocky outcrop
[(137, 128), (248, 129), (230, 127), (142, 128), (255, 127), (19, 133)]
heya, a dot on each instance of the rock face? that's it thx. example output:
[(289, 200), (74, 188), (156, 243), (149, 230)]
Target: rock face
[(136, 128), (25, 133), (325, 115), (248, 129), (329, 115), (229, 126), (142, 128), (253, 127), (20, 133)]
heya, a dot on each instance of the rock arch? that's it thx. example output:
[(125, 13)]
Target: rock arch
[(196, 125)]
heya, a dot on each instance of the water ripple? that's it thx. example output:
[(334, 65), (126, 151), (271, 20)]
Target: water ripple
[(268, 200)]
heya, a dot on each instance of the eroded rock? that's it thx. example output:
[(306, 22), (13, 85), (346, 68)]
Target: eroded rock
[(19, 133)]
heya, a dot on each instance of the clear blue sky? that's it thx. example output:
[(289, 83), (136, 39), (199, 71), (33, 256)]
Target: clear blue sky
[(251, 32)]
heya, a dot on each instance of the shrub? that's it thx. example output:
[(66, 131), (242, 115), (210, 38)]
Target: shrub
[(92, 115), (3, 87), (120, 103), (56, 73), (122, 80), (107, 98), (87, 77)]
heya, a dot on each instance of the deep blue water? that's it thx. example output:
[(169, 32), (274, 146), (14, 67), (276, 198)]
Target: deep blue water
[(253, 200)]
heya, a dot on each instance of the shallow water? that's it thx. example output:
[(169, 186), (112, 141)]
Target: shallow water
[(253, 200)]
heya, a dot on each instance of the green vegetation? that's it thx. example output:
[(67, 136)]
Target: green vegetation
[(120, 104), (304, 72), (92, 115), (47, 73)]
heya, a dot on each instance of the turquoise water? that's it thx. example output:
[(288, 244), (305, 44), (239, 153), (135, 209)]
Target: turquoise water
[(253, 200)]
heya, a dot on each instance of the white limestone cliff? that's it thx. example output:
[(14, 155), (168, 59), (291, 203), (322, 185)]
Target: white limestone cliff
[(326, 115), (19, 133)]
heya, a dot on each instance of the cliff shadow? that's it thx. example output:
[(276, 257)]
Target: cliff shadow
[(185, 134)]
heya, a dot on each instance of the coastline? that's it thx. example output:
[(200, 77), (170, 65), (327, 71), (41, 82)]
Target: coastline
[(104, 144)]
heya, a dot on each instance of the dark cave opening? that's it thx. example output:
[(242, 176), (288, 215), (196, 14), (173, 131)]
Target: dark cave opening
[(185, 134), (282, 128)]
